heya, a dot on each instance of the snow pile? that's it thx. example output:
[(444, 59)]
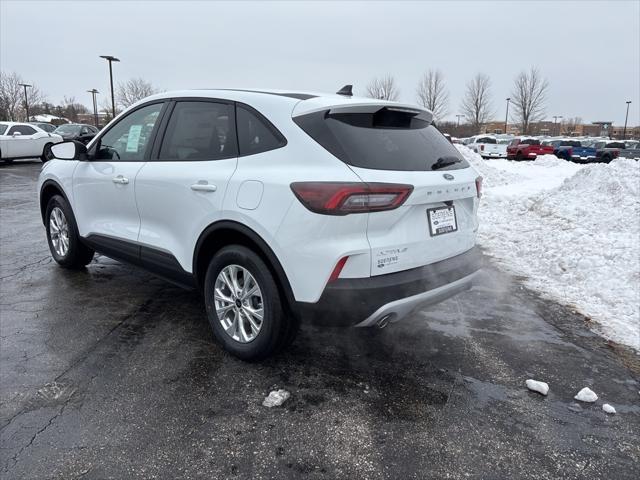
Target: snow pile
[(540, 387), (276, 398), (572, 230), (586, 395), (608, 409)]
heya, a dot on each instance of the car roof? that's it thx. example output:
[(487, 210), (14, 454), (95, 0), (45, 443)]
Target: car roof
[(294, 102)]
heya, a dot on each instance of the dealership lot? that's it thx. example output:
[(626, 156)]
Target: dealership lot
[(112, 373)]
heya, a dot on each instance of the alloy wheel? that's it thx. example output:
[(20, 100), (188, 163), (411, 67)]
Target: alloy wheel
[(239, 304), (59, 231)]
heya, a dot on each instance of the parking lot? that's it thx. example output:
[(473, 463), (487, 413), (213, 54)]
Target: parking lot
[(112, 373)]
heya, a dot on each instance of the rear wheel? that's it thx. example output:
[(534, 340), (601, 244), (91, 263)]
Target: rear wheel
[(244, 306), (519, 156), (46, 153), (62, 235)]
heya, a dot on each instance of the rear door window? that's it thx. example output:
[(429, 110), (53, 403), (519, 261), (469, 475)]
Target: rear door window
[(200, 130), (388, 139), (22, 129)]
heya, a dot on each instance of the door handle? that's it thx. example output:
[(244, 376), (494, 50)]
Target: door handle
[(203, 186), (120, 179)]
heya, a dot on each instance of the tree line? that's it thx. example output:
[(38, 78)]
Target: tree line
[(12, 101), (528, 97)]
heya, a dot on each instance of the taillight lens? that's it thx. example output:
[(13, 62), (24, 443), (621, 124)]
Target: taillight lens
[(479, 186), (482, 148), (616, 153), (338, 269), (342, 198)]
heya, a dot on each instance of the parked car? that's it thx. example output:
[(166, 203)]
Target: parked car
[(47, 127), (77, 131), (572, 150), (333, 209), (21, 140), (527, 149), (631, 150), (607, 150), (488, 146)]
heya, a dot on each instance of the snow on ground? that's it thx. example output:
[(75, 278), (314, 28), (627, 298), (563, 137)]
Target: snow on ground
[(572, 230)]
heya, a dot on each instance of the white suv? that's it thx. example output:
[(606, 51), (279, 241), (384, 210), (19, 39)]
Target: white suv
[(277, 206)]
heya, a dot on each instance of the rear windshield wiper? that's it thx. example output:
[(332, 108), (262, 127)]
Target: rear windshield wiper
[(443, 162)]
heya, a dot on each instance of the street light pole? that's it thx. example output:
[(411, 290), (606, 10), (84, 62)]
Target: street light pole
[(111, 59), (624, 132), (95, 105), (26, 101), (458, 117), (506, 117)]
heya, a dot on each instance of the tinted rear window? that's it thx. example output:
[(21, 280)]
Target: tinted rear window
[(384, 140), (530, 141), (487, 140)]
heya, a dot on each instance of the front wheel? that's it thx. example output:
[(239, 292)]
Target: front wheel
[(244, 305), (62, 235)]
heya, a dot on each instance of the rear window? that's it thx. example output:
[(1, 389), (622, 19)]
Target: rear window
[(387, 139), (486, 140), (530, 141), (3, 128)]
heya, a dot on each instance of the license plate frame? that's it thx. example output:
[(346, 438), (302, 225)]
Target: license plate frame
[(434, 219)]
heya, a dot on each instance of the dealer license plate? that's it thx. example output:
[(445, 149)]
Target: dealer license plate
[(442, 220)]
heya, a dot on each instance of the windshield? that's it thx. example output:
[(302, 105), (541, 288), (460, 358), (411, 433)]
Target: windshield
[(3, 128), (384, 140), (68, 129)]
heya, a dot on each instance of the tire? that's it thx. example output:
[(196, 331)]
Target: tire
[(238, 335), (46, 153), (605, 159), (59, 216), (519, 157)]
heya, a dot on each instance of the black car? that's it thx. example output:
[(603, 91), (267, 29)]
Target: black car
[(77, 131)]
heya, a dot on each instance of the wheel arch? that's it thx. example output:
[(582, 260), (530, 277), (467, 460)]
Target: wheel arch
[(228, 232), (49, 189)]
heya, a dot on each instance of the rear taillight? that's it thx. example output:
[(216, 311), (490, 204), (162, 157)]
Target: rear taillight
[(570, 152), (341, 198), (482, 148), (616, 153), (479, 186)]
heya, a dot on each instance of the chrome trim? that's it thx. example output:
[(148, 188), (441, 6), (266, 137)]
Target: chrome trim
[(399, 309)]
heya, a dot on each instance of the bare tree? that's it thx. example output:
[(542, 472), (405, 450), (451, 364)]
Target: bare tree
[(134, 90), (12, 102), (570, 125), (476, 105), (383, 88), (529, 97), (432, 93), (70, 108)]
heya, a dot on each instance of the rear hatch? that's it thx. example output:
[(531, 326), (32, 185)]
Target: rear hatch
[(399, 145)]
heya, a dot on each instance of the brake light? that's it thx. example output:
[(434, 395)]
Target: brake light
[(570, 151), (479, 186), (616, 153), (482, 148), (338, 269), (343, 198)]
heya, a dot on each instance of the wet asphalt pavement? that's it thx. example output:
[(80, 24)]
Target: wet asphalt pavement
[(113, 373)]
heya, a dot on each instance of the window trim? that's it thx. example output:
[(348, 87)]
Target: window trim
[(270, 126), (154, 133), (164, 125)]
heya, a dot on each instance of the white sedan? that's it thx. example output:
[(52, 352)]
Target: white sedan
[(21, 140)]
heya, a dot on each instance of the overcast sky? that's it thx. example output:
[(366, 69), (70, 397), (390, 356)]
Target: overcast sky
[(588, 50)]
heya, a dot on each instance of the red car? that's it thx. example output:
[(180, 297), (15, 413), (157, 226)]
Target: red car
[(527, 149)]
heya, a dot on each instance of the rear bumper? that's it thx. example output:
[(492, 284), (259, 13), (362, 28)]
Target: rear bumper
[(364, 301)]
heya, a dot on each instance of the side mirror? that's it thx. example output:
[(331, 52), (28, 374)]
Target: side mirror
[(70, 150), (16, 134)]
